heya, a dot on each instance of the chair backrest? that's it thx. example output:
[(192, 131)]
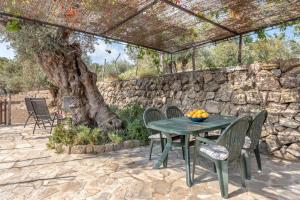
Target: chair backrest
[(28, 105), (254, 131), (152, 114), (233, 137), (173, 112), (40, 108)]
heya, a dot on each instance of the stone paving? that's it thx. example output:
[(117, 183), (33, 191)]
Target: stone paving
[(28, 170)]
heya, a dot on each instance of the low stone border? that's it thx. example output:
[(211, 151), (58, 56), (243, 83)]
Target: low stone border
[(96, 149)]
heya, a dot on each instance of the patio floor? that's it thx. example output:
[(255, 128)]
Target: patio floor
[(29, 171)]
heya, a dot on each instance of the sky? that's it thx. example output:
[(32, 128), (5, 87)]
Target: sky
[(101, 54)]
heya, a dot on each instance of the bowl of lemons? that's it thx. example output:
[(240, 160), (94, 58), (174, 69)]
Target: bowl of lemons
[(197, 115)]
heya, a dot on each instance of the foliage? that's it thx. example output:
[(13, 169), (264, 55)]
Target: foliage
[(116, 137), (76, 135), (141, 72), (132, 115)]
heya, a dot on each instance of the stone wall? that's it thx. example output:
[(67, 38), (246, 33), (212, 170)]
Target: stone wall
[(229, 91)]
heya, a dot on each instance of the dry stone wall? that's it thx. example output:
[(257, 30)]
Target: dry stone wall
[(229, 91)]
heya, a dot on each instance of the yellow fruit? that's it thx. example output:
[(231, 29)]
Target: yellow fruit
[(205, 115)]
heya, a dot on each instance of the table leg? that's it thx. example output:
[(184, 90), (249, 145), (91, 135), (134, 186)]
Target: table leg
[(187, 160), (163, 158)]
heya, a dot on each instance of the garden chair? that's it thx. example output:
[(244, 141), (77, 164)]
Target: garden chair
[(150, 115), (173, 112), (227, 148), (29, 110), (42, 114), (252, 142)]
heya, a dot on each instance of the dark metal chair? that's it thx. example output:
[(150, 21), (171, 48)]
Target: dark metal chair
[(252, 141), (227, 148), (29, 110), (42, 115)]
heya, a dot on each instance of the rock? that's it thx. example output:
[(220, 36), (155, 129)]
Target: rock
[(291, 110), (118, 146), (225, 109), (282, 153), (290, 96), (224, 93), (252, 97), (212, 106), (78, 149), (272, 143), (276, 72), (66, 149), (241, 80), (294, 149), (289, 64), (59, 148), (297, 117), (269, 66), (210, 95), (274, 96), (136, 143), (176, 86), (276, 108), (278, 127), (89, 149), (290, 123), (266, 81), (109, 147), (290, 80), (220, 77), (238, 97), (289, 136), (211, 86), (207, 77), (254, 68), (99, 148), (272, 118), (128, 144)]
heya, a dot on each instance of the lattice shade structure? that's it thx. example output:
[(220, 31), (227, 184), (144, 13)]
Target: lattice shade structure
[(165, 25)]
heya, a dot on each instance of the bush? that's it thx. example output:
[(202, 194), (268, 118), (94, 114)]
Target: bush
[(132, 115), (116, 137)]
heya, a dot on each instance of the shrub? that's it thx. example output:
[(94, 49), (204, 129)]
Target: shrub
[(116, 137), (132, 115)]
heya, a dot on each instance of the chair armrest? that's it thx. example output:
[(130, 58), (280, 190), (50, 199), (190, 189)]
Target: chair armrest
[(205, 140)]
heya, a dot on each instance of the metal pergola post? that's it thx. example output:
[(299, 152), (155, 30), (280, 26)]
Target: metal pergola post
[(240, 49)]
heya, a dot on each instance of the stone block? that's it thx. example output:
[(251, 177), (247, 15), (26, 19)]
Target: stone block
[(207, 77), (252, 97), (128, 144), (212, 107), (238, 97), (241, 80), (297, 117), (269, 66), (290, 123), (266, 81), (282, 153), (224, 93), (291, 110), (294, 149), (89, 149), (210, 95), (99, 148), (279, 128), (290, 96), (109, 147), (276, 72), (220, 77), (118, 146), (272, 143), (276, 108), (211, 86), (289, 136), (286, 65), (78, 149), (274, 96)]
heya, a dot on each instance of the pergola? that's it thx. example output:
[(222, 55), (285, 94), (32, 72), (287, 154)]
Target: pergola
[(168, 26)]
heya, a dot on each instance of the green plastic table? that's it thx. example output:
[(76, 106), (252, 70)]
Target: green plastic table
[(185, 127)]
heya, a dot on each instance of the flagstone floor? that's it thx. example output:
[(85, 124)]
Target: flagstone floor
[(28, 170)]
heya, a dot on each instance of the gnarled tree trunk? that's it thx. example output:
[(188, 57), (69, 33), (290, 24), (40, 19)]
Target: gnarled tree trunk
[(65, 68)]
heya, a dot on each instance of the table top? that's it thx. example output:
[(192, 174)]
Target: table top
[(183, 125)]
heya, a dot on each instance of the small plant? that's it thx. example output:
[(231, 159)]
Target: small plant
[(116, 137)]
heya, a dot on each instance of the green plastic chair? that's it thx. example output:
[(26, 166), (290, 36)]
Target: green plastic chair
[(252, 142), (173, 112), (227, 148), (150, 115)]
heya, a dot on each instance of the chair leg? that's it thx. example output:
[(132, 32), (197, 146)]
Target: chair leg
[(27, 120), (195, 160), (162, 144), (242, 171), (246, 158), (214, 167), (222, 171), (34, 127), (257, 156), (182, 147), (151, 147)]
